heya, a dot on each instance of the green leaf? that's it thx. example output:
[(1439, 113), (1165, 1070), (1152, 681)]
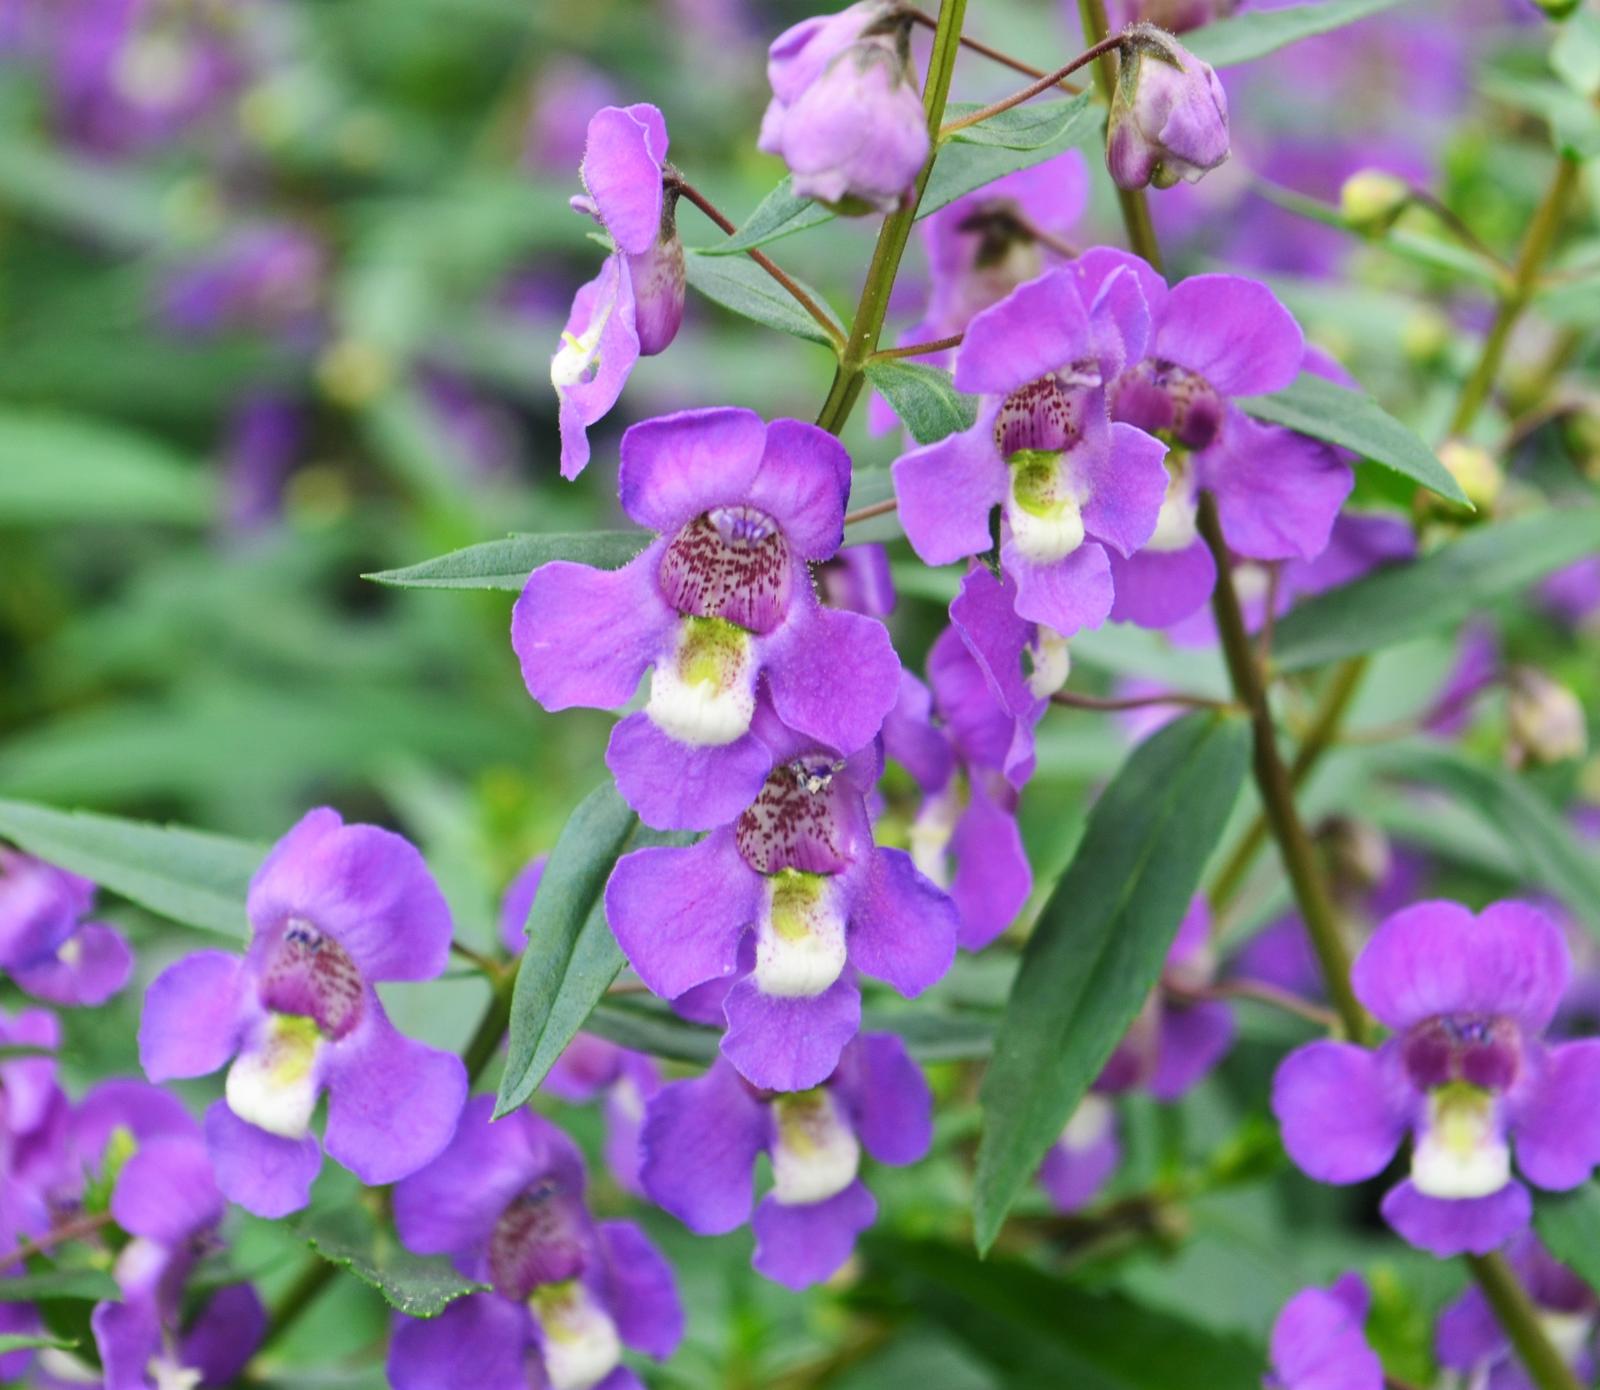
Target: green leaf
[(1404, 601), (571, 958), (1040, 1330), (1542, 844), (1569, 1225), (1573, 119), (418, 1286), (781, 213), (506, 564), (1353, 420), (740, 285), (192, 877), (1030, 126), (1100, 943), (1242, 38), (1575, 55), (60, 1285), (924, 398), (56, 468), (13, 1341), (646, 1025)]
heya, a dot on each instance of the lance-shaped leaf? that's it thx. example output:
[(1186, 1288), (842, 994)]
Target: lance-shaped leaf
[(1242, 38), (63, 1285), (1404, 601), (416, 1285), (1099, 945), (1569, 1225), (195, 878), (506, 564), (742, 286), (924, 398), (571, 957), (18, 1341), (1354, 421)]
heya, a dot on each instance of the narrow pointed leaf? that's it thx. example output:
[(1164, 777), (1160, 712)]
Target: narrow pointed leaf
[(924, 397), (1242, 38), (416, 1285), (1100, 943), (740, 285), (506, 564)]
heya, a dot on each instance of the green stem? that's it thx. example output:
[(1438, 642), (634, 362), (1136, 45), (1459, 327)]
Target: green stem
[(1277, 792), (1536, 246), (1135, 210), (867, 325), (1520, 1319), (300, 1295), (1044, 84), (491, 1027)]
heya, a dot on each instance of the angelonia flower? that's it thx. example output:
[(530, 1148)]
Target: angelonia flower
[(1465, 1073), (1319, 1342), (267, 278), (1173, 1044), (333, 909), (845, 115), (1470, 1340), (506, 1202), (858, 578), (718, 608), (787, 903), (27, 1086), (264, 435), (1169, 116), (1573, 594), (46, 948), (702, 1139), (634, 307), (1546, 720), (557, 128)]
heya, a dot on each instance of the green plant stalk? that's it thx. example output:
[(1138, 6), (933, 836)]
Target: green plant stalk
[(1520, 1319), (1135, 210), (867, 325)]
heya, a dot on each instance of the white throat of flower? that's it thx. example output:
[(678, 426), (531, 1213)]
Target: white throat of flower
[(1461, 1151), (578, 357), (1051, 663), (703, 692), (933, 829), (1175, 525), (1569, 1333), (800, 945), (1089, 1125), (169, 1375), (273, 1083), (815, 1152), (581, 1345), (1044, 511)]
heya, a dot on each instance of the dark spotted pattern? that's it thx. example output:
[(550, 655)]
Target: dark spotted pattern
[(1043, 416), (541, 1238), (731, 563), (312, 976), (1481, 1051), (806, 818), (1162, 397)]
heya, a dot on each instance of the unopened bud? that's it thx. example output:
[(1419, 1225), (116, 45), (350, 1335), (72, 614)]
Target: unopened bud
[(1547, 724), (1169, 116), (1371, 200), (1356, 853), (1476, 469), (1425, 334)]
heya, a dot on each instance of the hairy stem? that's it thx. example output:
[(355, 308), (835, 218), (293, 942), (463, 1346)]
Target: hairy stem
[(919, 349), (867, 324), (1073, 700)]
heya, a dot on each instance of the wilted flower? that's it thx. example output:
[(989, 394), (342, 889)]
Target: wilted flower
[(1169, 116), (333, 909)]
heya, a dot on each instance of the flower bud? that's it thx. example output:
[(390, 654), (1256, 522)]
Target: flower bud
[(1559, 9), (1476, 469), (1169, 116), (659, 286), (1547, 724), (845, 114), (1372, 199)]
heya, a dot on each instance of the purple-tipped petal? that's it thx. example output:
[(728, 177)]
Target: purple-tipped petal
[(798, 1246), (392, 1103), (700, 1143), (683, 786), (678, 913), (891, 1107), (585, 636), (480, 1341), (902, 928), (1068, 594), (677, 467), (1556, 1129), (193, 1014), (1277, 492), (789, 1043), (622, 170), (367, 888), (1475, 1225), (1194, 1038), (644, 1294), (1232, 331), (946, 492), (832, 675), (992, 879), (266, 1175), (1157, 588), (911, 740), (1038, 328), (1437, 958), (1343, 1110), (166, 1192), (1127, 482)]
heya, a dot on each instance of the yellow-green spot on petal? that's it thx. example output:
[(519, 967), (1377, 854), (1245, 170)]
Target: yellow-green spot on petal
[(795, 895)]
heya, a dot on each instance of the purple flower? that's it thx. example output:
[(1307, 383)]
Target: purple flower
[(264, 436), (845, 115), (46, 947), (858, 578), (1169, 116), (1466, 1074), (27, 1082), (792, 899), (1573, 594), (1080, 1163), (702, 1139), (720, 602), (1071, 485), (557, 128), (334, 909), (634, 307), (1318, 1342), (1213, 338), (1470, 1339), (505, 1202), (267, 278)]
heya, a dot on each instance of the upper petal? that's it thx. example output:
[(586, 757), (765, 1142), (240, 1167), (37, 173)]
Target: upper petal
[(802, 483), (622, 170), (1232, 331), (676, 467), (700, 1143), (1040, 327), (1342, 1115)]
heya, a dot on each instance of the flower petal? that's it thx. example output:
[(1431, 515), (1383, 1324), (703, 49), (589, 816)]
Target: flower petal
[(992, 879), (683, 786), (1127, 483), (479, 1341), (1067, 594), (193, 1016), (622, 170), (1277, 492), (798, 1246), (1194, 1038), (902, 928), (789, 1043), (891, 1107), (644, 1293), (1232, 331), (802, 483), (946, 492), (1040, 327), (676, 467), (1343, 1115), (1475, 1225), (225, 1334), (1556, 1130), (1157, 588), (266, 1175), (166, 1191), (700, 1143), (833, 675), (91, 965)]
